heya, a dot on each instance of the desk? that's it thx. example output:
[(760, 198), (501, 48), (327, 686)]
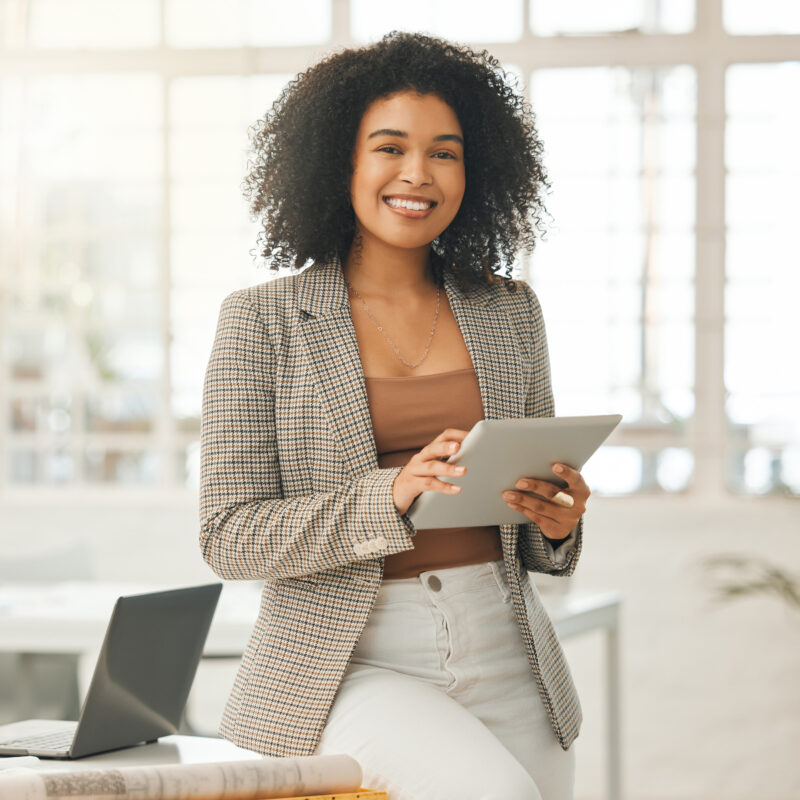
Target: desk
[(72, 618), (167, 750)]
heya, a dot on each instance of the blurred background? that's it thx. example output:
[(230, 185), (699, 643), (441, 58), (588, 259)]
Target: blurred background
[(669, 281)]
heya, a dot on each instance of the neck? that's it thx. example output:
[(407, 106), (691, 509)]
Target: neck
[(375, 268)]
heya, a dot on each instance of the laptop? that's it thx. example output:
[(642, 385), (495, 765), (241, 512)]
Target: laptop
[(141, 682)]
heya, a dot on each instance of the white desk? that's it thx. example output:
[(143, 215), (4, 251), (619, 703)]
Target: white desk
[(72, 618), (167, 750)]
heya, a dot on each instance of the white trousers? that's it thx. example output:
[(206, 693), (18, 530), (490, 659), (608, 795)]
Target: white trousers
[(439, 700)]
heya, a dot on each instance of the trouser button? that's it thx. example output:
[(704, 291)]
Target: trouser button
[(434, 583)]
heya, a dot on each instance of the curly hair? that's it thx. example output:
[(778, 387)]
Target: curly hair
[(298, 181)]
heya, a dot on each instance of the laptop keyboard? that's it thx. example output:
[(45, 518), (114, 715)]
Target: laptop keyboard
[(58, 740)]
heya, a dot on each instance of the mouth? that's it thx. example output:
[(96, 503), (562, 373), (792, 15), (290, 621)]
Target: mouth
[(413, 209)]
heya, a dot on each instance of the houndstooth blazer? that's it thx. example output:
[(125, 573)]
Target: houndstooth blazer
[(291, 493)]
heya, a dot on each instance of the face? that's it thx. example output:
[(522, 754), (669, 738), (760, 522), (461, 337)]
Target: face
[(409, 150)]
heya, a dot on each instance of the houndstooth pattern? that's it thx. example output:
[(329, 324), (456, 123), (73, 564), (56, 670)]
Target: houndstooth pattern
[(291, 493)]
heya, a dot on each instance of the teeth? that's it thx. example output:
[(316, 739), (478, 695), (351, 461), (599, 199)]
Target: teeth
[(412, 204)]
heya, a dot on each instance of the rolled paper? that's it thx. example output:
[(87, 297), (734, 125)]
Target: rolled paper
[(231, 780)]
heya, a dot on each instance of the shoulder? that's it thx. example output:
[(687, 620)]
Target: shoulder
[(263, 298), (521, 307), (519, 299), (265, 312)]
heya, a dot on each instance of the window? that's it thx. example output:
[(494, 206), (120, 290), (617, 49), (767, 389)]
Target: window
[(123, 225), (616, 274), (764, 17), (763, 282), (574, 17)]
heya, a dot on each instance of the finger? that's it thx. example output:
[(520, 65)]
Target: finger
[(534, 516), (433, 484), (440, 450), (573, 477), (436, 467), (547, 490), (537, 486), (444, 447), (451, 434), (527, 504)]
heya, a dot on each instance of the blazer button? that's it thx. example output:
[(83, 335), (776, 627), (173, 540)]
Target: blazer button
[(434, 583)]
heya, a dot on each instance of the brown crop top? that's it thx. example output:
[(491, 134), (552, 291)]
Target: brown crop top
[(407, 414)]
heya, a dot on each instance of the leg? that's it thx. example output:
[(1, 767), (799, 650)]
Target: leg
[(492, 679), (416, 743)]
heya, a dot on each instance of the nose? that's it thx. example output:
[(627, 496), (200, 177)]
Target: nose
[(416, 169)]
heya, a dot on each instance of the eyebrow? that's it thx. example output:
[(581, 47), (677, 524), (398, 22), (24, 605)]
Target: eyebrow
[(443, 137)]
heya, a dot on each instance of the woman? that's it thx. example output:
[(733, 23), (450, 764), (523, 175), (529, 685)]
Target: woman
[(408, 173)]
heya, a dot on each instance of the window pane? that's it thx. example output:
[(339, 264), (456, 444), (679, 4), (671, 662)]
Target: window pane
[(109, 465), (81, 255), (557, 17), (212, 235), (276, 22), (616, 272), (766, 16), (222, 23), (614, 470), (763, 280), (457, 20), (120, 412), (94, 23)]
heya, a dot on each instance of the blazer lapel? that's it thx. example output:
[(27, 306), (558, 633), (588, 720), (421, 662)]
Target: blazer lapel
[(491, 340), (330, 339), (332, 347)]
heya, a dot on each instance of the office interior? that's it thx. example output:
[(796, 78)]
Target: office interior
[(668, 279)]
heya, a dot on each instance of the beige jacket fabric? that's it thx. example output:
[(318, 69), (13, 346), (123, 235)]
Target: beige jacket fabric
[(291, 493)]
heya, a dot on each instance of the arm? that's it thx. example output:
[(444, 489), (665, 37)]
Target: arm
[(248, 530), (540, 554)]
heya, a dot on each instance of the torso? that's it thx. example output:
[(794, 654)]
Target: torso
[(408, 325)]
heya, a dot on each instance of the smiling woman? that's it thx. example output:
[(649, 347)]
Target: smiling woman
[(409, 173), (299, 184)]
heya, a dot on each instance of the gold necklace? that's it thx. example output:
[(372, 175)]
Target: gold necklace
[(394, 347)]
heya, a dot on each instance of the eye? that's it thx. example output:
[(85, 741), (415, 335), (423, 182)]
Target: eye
[(387, 147), (445, 153)]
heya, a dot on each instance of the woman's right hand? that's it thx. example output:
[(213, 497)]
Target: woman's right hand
[(419, 474)]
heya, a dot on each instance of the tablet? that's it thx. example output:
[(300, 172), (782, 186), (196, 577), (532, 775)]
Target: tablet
[(497, 453)]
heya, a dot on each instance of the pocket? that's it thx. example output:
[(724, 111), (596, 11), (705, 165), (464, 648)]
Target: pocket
[(500, 582)]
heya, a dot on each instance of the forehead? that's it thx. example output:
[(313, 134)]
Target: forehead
[(417, 114)]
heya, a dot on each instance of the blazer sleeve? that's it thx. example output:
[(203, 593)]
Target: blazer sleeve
[(540, 554), (248, 530)]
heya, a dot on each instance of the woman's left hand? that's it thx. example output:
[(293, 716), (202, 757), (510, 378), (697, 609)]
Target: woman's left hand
[(557, 515)]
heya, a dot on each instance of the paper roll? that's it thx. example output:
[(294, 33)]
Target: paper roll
[(226, 780)]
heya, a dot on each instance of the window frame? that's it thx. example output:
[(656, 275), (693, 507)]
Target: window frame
[(708, 49)]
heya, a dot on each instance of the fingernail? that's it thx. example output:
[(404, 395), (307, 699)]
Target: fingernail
[(509, 496), (453, 448), (558, 468), (522, 484)]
